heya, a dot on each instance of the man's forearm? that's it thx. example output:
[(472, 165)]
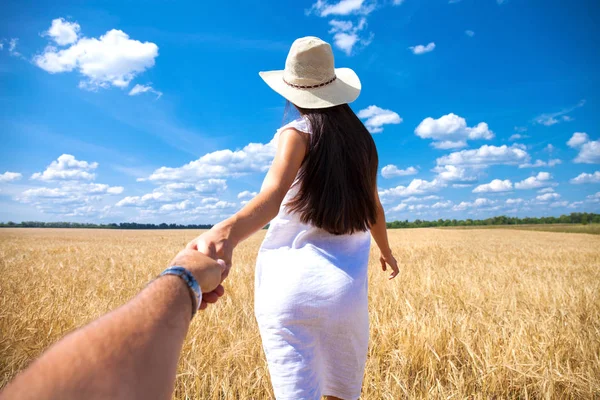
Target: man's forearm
[(129, 353)]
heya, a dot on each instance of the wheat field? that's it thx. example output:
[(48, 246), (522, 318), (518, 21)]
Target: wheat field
[(474, 314)]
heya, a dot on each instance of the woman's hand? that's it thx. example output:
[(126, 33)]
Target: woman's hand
[(216, 244), (388, 259)]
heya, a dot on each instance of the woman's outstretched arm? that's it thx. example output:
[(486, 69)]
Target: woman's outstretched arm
[(223, 237), (379, 233)]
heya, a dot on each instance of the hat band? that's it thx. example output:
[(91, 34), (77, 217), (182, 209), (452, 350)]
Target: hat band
[(311, 86)]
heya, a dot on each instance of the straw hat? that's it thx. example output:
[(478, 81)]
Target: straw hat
[(310, 80)]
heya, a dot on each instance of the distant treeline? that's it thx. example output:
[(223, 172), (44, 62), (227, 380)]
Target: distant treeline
[(573, 218), (122, 225)]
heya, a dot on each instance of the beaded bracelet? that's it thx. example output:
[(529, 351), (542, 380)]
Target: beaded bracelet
[(190, 281)]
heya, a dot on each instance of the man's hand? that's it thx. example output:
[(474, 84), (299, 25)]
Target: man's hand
[(207, 271)]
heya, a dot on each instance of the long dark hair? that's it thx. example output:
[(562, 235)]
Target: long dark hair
[(338, 177)]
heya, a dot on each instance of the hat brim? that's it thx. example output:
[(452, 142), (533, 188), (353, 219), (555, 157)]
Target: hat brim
[(345, 89)]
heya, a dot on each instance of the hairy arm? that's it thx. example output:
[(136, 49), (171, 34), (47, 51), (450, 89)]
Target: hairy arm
[(379, 233), (130, 353), (223, 237)]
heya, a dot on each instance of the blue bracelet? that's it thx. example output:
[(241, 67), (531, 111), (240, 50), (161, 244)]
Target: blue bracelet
[(189, 280)]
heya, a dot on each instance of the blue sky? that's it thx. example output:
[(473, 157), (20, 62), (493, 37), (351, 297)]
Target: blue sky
[(154, 112)]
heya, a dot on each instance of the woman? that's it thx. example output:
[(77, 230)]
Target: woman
[(320, 197)]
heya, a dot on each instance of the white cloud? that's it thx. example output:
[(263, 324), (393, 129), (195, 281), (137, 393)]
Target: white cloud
[(93, 188), (12, 47), (449, 144), (442, 204), (176, 206), (345, 41), (589, 150), (255, 157), (219, 205), (417, 207), (547, 197), (412, 207), (206, 186), (391, 171), (533, 182), (586, 178), (139, 89), (68, 191), (578, 139), (138, 201), (511, 202), (399, 207), (517, 136), (340, 26), (171, 192), (576, 204), (559, 204), (589, 153), (557, 117), (486, 156), (70, 198), (115, 189), (184, 201), (416, 187), (343, 7), (246, 194), (420, 49), (452, 173), (461, 185), (63, 32), (478, 203), (594, 197), (495, 186), (10, 176), (66, 167), (1, 46), (347, 35), (113, 59), (469, 33), (546, 190), (89, 211), (209, 200), (539, 163), (377, 117), (413, 199), (451, 131), (190, 211)]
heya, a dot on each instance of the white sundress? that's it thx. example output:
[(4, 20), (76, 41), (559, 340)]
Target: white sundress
[(311, 306)]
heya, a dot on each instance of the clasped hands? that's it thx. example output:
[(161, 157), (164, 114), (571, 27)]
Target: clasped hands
[(208, 258)]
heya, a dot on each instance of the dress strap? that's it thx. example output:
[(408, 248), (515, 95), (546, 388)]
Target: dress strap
[(300, 124)]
